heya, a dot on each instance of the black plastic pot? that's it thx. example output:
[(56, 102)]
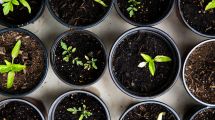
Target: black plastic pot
[(168, 41), (54, 47), (52, 109), (150, 102), (45, 70), (169, 10), (8, 101), (11, 25), (73, 26)]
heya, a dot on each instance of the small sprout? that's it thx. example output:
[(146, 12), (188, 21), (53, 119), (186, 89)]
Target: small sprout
[(101, 2), (90, 63), (151, 62), (8, 5), (84, 112), (67, 53), (77, 61), (133, 7), (160, 116), (210, 5)]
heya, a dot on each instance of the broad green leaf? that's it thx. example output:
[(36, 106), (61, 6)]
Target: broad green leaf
[(6, 8), (66, 59), (17, 67), (131, 13), (11, 6), (73, 50), (146, 57), (16, 49), (15, 2), (63, 45), (7, 62), (142, 64), (25, 3), (10, 79), (161, 58), (210, 5), (152, 68), (4, 69), (160, 116)]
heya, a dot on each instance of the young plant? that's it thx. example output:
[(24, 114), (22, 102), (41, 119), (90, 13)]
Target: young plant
[(151, 62), (210, 5), (84, 112), (10, 67), (90, 64), (101, 2), (68, 51), (77, 61), (133, 7), (160, 116), (8, 5)]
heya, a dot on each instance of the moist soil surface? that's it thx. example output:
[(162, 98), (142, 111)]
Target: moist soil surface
[(195, 15), (149, 11), (85, 44), (18, 111), (200, 72), (207, 114), (31, 55), (79, 12), (20, 15), (78, 100), (139, 81), (149, 112)]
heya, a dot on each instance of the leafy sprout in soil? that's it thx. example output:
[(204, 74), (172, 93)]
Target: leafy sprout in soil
[(67, 53), (8, 5), (210, 5), (151, 62), (101, 2), (133, 7), (83, 111), (90, 64), (160, 116), (10, 67)]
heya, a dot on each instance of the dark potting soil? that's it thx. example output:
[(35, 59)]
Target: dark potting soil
[(18, 111), (85, 44), (149, 112), (32, 55), (137, 80), (200, 72), (79, 12), (78, 100), (195, 15), (207, 114), (20, 15), (149, 11)]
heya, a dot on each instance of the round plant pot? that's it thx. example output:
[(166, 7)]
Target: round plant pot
[(79, 14), (148, 13), (196, 18), (125, 58), (20, 109), (149, 110), (32, 54), (78, 98), (206, 113), (20, 16), (86, 45), (198, 73)]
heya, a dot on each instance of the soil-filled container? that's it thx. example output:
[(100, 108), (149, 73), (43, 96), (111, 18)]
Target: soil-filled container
[(144, 12), (79, 13), (23, 62), (78, 105), (78, 58), (18, 13), (199, 73), (150, 110), (19, 109), (198, 16), (206, 113), (144, 62)]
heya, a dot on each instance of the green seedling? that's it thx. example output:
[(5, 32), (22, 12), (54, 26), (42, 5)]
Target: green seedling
[(68, 51), (8, 5), (10, 68), (151, 62), (210, 5), (101, 2), (90, 64), (160, 116), (133, 7), (84, 112), (77, 61)]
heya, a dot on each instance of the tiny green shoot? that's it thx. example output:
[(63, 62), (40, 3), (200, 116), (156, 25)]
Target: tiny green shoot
[(77, 61), (101, 2), (8, 5), (151, 62), (90, 64), (83, 111), (68, 51), (160, 116), (210, 5), (133, 7), (10, 67)]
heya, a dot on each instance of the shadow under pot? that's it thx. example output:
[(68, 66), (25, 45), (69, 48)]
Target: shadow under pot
[(23, 62), (19, 109), (206, 113), (144, 12), (78, 58), (78, 105), (150, 110), (79, 13), (144, 62), (18, 13), (198, 15), (199, 73)]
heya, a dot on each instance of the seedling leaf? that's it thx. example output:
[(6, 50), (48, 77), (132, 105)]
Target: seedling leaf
[(63, 45), (101, 2), (210, 5), (25, 3), (161, 58), (160, 116), (10, 79), (17, 67), (16, 49), (152, 68), (146, 57), (142, 64), (4, 69)]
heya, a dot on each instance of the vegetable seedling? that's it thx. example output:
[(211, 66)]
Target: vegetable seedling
[(10, 67), (133, 7), (8, 5), (210, 5), (84, 112), (101, 2), (68, 51), (151, 62), (90, 64), (160, 116)]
